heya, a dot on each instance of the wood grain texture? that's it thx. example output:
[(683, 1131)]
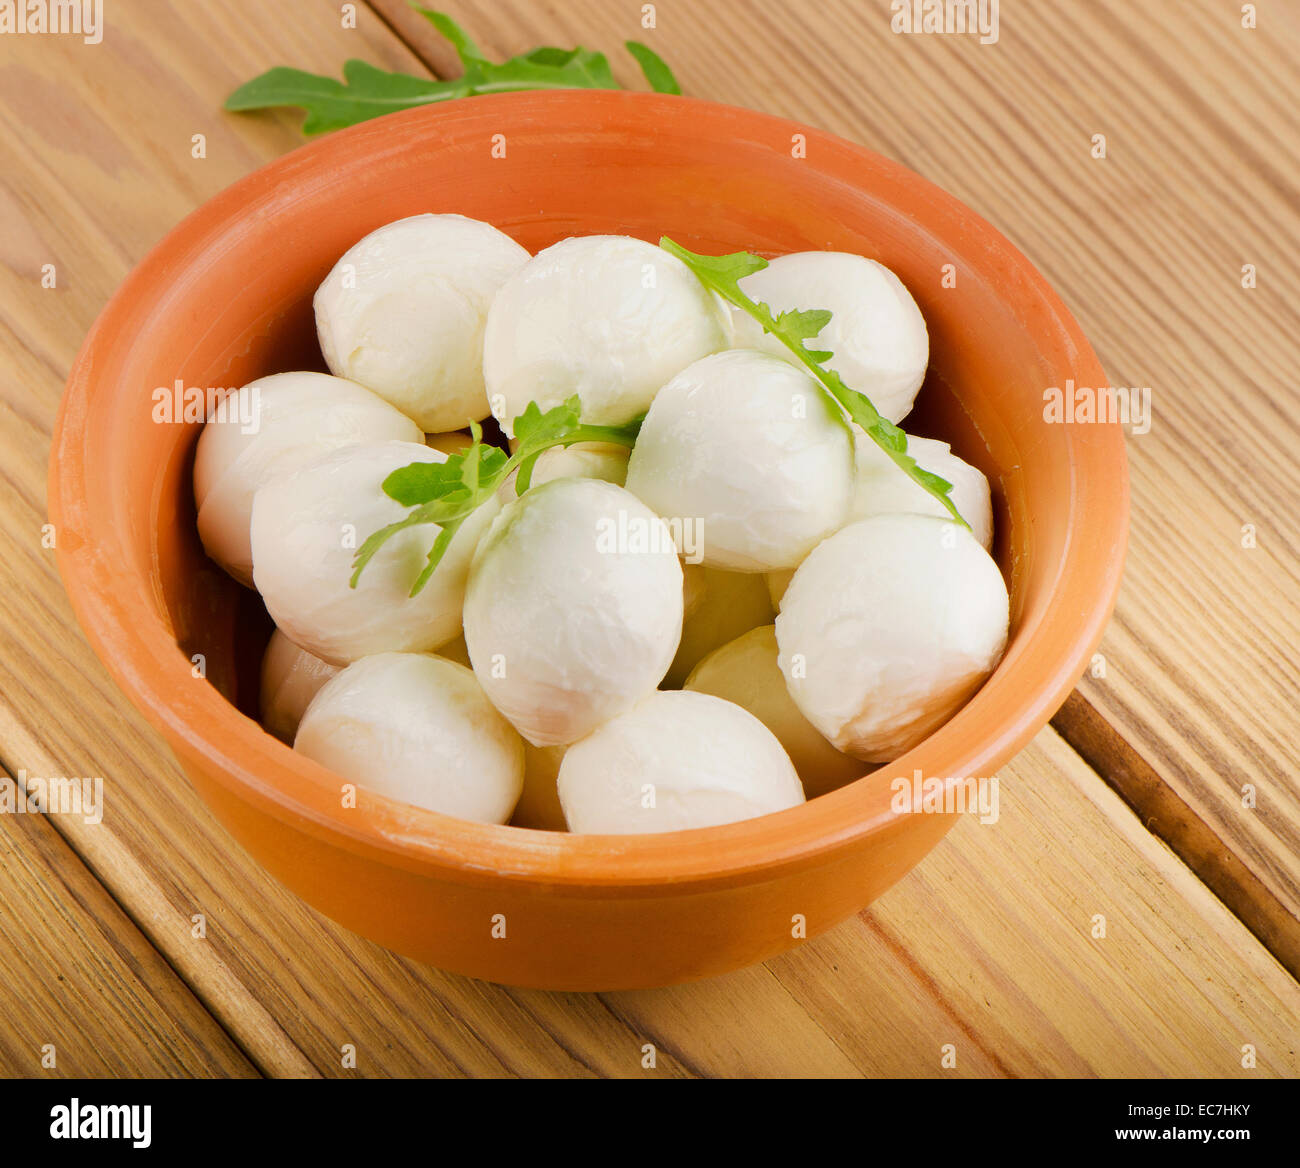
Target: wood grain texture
[(986, 946), (85, 994), (1147, 247), (994, 941), (1163, 812)]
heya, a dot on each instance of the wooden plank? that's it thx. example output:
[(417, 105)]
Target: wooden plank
[(1002, 920), (1008, 978), (1163, 812), (86, 994), (1147, 247)]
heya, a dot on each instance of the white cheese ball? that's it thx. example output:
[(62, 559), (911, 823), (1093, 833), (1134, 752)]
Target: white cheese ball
[(418, 728), (607, 317), (291, 677), (746, 672), (888, 628), (724, 605), (883, 488), (403, 312), (307, 526), (876, 335), (270, 426), (675, 761), (606, 461), (754, 450), (574, 608)]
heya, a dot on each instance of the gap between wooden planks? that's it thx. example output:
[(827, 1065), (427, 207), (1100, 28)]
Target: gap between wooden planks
[(1164, 814), (957, 953), (1147, 248)]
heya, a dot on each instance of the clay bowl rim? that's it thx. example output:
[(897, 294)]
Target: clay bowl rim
[(138, 647)]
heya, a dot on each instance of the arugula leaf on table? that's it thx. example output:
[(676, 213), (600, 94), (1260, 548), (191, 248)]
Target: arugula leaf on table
[(448, 493), (656, 72), (461, 41), (550, 55), (367, 92), (795, 328)]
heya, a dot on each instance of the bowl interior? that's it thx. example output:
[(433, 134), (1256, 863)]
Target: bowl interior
[(227, 298)]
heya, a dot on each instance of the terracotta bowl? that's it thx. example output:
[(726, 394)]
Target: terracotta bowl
[(226, 297)]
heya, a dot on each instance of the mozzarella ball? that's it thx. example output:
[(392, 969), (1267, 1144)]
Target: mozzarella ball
[(729, 603), (607, 317), (291, 677), (888, 628), (876, 334), (307, 526), (746, 672), (418, 728), (752, 449), (606, 461), (676, 760), (574, 607), (403, 312), (883, 488), (270, 426), (539, 804)]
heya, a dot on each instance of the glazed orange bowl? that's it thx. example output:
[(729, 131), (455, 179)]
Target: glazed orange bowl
[(227, 297)]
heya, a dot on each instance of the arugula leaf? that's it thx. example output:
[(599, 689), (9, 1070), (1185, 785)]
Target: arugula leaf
[(448, 493), (795, 328), (543, 68), (421, 481), (468, 52), (550, 55), (583, 70), (368, 92), (365, 92), (656, 72)]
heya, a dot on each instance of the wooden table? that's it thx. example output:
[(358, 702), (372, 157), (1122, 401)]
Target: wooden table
[(1164, 800)]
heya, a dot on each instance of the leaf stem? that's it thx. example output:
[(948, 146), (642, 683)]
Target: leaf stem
[(794, 329), (452, 499)]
